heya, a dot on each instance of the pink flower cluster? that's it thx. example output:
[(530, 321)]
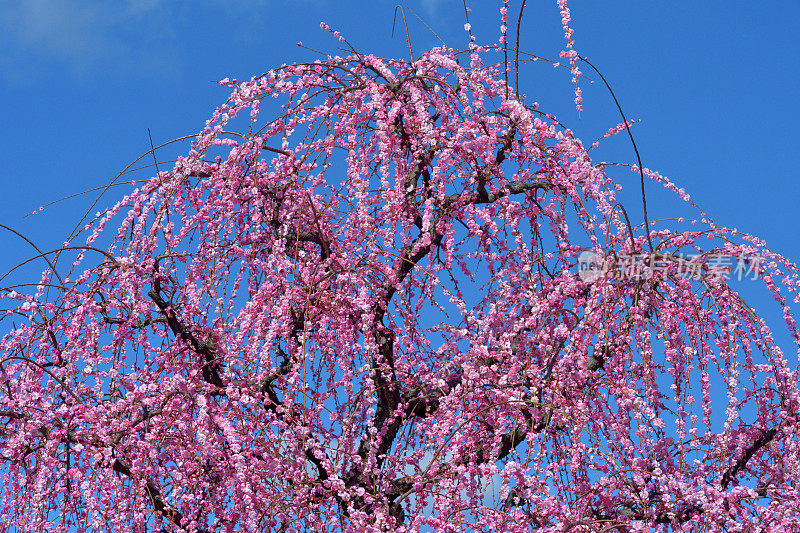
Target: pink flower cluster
[(364, 313)]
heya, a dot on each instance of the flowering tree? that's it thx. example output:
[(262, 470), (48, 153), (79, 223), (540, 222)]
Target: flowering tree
[(382, 325)]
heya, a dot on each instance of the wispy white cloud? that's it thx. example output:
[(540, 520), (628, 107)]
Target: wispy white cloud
[(65, 30), (149, 38), (431, 7), (81, 34)]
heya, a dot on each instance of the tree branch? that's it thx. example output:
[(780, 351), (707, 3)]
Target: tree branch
[(207, 350), (156, 498), (765, 438)]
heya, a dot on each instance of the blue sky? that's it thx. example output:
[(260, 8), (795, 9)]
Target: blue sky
[(715, 84)]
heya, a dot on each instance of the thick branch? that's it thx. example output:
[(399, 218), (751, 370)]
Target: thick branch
[(153, 492), (627, 512), (422, 403), (389, 396), (275, 402), (316, 238), (741, 463), (517, 187), (483, 176), (207, 350), (388, 393), (14, 414)]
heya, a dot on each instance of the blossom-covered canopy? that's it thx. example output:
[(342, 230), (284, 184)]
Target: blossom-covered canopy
[(358, 304)]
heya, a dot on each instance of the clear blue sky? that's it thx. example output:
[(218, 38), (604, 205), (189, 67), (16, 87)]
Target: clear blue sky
[(715, 84)]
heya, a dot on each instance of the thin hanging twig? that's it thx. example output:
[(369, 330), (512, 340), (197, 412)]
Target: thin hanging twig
[(516, 54), (408, 39), (153, 150), (638, 158), (427, 26), (468, 25)]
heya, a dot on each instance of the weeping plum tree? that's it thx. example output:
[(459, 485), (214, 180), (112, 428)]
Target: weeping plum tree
[(366, 312)]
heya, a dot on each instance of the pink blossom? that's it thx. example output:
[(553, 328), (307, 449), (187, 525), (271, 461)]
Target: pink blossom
[(367, 313)]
